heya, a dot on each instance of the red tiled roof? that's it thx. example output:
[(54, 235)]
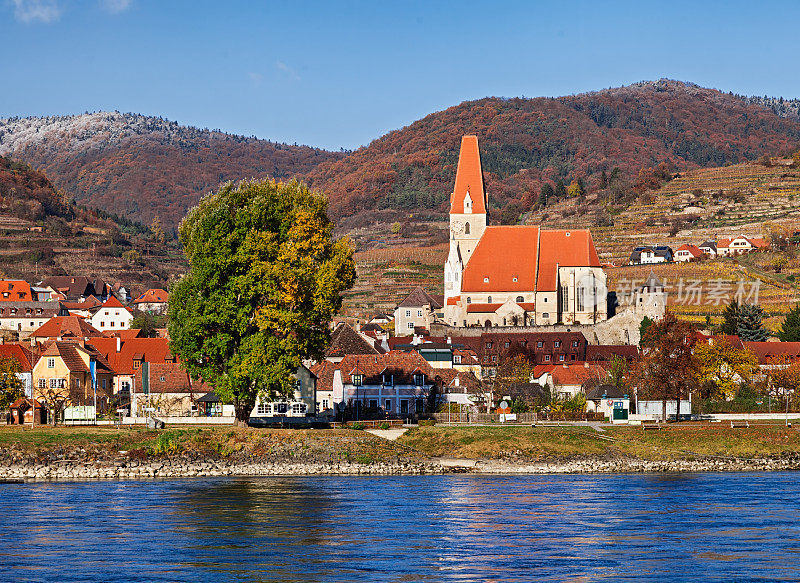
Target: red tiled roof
[(401, 365), (453, 301), (17, 290), (175, 379), (527, 306), (503, 254), (759, 243), (152, 296), (64, 327), (693, 250), (469, 177), (152, 350), (723, 243), (563, 248), (113, 302), (19, 353), (766, 351), (577, 373)]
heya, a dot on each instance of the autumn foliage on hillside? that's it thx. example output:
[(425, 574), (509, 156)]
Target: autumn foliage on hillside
[(145, 167), (526, 143)]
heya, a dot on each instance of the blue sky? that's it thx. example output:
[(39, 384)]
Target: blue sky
[(340, 74)]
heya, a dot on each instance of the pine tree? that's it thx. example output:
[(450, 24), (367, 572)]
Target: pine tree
[(730, 323), (790, 329), (545, 195), (643, 326), (561, 189), (750, 328)]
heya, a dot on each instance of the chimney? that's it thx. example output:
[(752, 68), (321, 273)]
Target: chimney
[(119, 343)]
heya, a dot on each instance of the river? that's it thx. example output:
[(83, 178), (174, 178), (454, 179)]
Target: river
[(671, 527)]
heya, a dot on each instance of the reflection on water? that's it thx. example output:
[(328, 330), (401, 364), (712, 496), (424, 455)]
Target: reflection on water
[(717, 527)]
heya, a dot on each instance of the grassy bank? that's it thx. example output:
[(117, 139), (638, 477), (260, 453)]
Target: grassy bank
[(322, 446), (682, 441)]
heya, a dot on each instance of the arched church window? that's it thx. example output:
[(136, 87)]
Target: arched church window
[(469, 300), (489, 300), (520, 299), (466, 229)]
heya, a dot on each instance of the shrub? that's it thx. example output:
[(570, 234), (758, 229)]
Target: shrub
[(358, 426), (427, 422), (384, 426)]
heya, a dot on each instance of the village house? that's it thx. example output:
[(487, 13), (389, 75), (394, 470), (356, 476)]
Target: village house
[(111, 315), (25, 359), (26, 317), (15, 290), (128, 357), (167, 388), (74, 371), (76, 288), (686, 253), (154, 301), (394, 384), (418, 310), (739, 245), (303, 402), (566, 379), (651, 254), (460, 387), (514, 275), (345, 340), (709, 248), (83, 308), (64, 328)]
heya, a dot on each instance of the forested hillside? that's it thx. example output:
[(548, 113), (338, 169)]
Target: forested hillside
[(528, 142), (43, 232), (145, 167)]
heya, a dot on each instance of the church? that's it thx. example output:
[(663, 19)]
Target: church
[(515, 275)]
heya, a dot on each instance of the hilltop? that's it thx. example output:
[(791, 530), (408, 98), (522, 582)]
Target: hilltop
[(45, 233), (145, 167), (527, 142)]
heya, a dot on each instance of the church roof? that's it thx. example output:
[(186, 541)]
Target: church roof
[(502, 255), (469, 178), (563, 248)]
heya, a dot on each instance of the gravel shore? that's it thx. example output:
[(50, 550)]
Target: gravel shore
[(180, 468)]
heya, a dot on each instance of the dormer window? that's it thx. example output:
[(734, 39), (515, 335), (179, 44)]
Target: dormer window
[(485, 280), (467, 203), (137, 364), (358, 380), (514, 279), (419, 379)]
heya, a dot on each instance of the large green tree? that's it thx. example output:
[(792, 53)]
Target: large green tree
[(11, 386), (730, 321), (265, 279)]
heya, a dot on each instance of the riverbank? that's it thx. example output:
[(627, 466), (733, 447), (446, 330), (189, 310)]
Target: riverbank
[(86, 453)]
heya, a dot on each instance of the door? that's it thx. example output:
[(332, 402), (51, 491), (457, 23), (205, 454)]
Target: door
[(404, 406)]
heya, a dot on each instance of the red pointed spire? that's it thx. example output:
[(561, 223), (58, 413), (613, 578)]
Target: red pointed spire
[(469, 178)]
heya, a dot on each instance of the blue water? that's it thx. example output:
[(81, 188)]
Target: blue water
[(689, 527)]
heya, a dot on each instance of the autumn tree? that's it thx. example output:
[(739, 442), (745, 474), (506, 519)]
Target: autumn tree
[(785, 377), (11, 386), (721, 365), (575, 189), (790, 329), (514, 369), (265, 279), (666, 369), (618, 373), (158, 232)]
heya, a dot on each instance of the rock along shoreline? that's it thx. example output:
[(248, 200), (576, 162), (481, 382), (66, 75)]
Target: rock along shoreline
[(68, 470)]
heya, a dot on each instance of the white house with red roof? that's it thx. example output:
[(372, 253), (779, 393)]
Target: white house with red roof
[(739, 245), (155, 301), (518, 275), (686, 253), (111, 315)]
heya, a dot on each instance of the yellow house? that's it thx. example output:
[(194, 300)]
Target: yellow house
[(66, 370)]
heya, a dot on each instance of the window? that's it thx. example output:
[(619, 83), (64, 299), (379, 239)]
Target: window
[(162, 378), (298, 408), (494, 358), (564, 297), (77, 383), (42, 383), (547, 358), (112, 324), (514, 279), (419, 379), (264, 409), (561, 358), (557, 344), (137, 364), (57, 383), (408, 313), (358, 379), (103, 383), (579, 299), (539, 344), (324, 404), (574, 343), (489, 299), (488, 345), (466, 229), (485, 280), (387, 380), (102, 324), (125, 387), (419, 313), (469, 300), (520, 299), (51, 363), (507, 344), (411, 325), (388, 405), (456, 359), (373, 403)]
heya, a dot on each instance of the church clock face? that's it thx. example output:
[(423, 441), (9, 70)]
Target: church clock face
[(458, 228)]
